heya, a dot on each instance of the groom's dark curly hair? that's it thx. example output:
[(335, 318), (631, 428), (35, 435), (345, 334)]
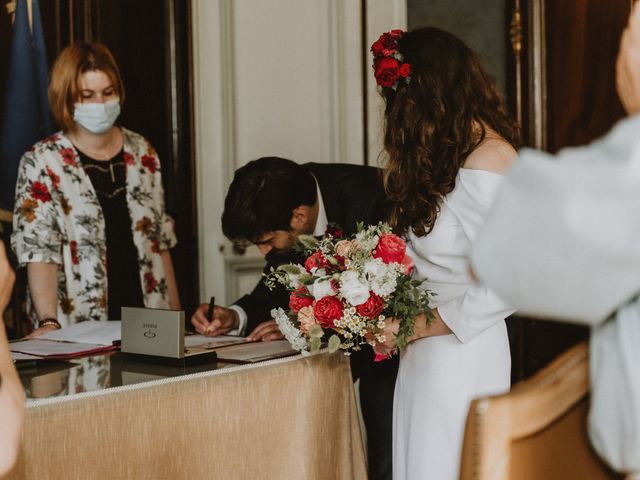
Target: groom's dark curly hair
[(263, 195)]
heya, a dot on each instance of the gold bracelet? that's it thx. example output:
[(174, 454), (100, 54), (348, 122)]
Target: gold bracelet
[(49, 321)]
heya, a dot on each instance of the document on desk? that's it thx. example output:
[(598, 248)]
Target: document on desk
[(256, 352), (52, 349), (92, 332), (212, 343), (17, 356)]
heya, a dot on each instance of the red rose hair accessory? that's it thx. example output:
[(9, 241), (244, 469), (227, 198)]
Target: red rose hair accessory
[(388, 63)]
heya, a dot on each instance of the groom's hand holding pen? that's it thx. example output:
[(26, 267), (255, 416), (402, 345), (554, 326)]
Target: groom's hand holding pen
[(211, 320)]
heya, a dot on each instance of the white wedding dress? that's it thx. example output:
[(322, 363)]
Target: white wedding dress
[(439, 376)]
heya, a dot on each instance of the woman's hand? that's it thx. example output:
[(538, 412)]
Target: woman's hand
[(39, 331), (421, 329), (389, 332)]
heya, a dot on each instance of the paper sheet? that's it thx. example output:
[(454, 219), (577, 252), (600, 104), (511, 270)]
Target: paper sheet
[(210, 343), (23, 356), (92, 332)]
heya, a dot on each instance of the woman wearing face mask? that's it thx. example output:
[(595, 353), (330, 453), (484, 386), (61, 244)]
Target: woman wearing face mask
[(89, 219)]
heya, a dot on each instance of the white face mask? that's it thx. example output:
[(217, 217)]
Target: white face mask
[(97, 117)]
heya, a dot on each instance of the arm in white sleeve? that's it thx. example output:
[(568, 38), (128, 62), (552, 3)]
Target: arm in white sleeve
[(478, 308), (562, 239), (242, 321), (472, 313)]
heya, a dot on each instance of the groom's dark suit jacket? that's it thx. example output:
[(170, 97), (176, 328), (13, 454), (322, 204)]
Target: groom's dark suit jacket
[(351, 194)]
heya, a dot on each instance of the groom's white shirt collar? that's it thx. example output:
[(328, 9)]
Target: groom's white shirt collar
[(321, 221)]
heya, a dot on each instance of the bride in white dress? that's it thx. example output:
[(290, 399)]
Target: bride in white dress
[(448, 137)]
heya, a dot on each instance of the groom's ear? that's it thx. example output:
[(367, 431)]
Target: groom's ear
[(300, 218)]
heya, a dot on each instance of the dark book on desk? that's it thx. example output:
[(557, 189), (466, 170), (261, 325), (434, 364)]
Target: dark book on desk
[(256, 352)]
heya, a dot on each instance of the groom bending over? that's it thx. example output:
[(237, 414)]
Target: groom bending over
[(272, 201)]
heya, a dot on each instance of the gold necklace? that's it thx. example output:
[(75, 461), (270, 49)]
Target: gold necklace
[(96, 153)]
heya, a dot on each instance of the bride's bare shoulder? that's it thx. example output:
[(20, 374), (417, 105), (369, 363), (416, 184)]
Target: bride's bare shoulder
[(493, 154)]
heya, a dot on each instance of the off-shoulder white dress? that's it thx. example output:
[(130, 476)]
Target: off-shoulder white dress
[(439, 376)]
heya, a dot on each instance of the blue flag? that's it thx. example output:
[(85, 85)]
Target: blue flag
[(26, 118)]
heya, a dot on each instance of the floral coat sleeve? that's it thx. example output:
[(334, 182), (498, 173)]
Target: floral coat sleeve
[(58, 219)]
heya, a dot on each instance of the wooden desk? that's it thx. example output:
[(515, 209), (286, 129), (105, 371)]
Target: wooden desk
[(293, 418)]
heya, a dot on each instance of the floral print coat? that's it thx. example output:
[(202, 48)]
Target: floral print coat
[(58, 219)]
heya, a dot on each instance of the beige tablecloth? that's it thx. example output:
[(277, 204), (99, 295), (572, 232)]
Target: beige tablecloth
[(293, 418)]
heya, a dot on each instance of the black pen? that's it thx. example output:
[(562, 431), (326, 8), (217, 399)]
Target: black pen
[(212, 304)]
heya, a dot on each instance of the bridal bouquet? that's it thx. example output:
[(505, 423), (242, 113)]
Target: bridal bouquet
[(345, 290)]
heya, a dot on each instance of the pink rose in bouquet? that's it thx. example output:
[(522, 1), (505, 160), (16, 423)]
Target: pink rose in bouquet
[(307, 319), (391, 248)]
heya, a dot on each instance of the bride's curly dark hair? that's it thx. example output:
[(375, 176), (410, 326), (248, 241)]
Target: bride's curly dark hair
[(433, 123)]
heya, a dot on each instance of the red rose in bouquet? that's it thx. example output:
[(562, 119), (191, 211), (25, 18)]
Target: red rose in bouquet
[(334, 231), (300, 298), (316, 260), (327, 310), (372, 307), (391, 249)]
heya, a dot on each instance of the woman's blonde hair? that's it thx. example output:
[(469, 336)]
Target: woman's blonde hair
[(71, 63)]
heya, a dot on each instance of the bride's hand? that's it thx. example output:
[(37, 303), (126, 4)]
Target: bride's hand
[(389, 332)]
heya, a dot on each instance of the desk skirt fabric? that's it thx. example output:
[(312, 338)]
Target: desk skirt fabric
[(293, 418)]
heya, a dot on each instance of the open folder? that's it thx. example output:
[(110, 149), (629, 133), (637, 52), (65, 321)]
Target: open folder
[(77, 340), (56, 350)]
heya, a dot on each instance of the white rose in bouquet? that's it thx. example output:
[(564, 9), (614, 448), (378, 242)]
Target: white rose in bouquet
[(382, 277), (321, 288), (353, 289)]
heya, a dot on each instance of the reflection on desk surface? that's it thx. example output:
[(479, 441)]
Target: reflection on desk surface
[(46, 378)]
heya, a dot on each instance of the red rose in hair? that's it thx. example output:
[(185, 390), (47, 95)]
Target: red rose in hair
[(390, 249), (387, 44), (387, 73), (68, 156), (40, 191), (149, 162), (316, 260), (327, 310), (128, 159), (73, 246), (300, 298), (372, 307), (405, 70)]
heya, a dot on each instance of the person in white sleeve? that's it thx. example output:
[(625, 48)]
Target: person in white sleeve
[(563, 241), (11, 392)]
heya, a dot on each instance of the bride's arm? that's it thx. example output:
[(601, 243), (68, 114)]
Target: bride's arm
[(421, 329), (424, 329)]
